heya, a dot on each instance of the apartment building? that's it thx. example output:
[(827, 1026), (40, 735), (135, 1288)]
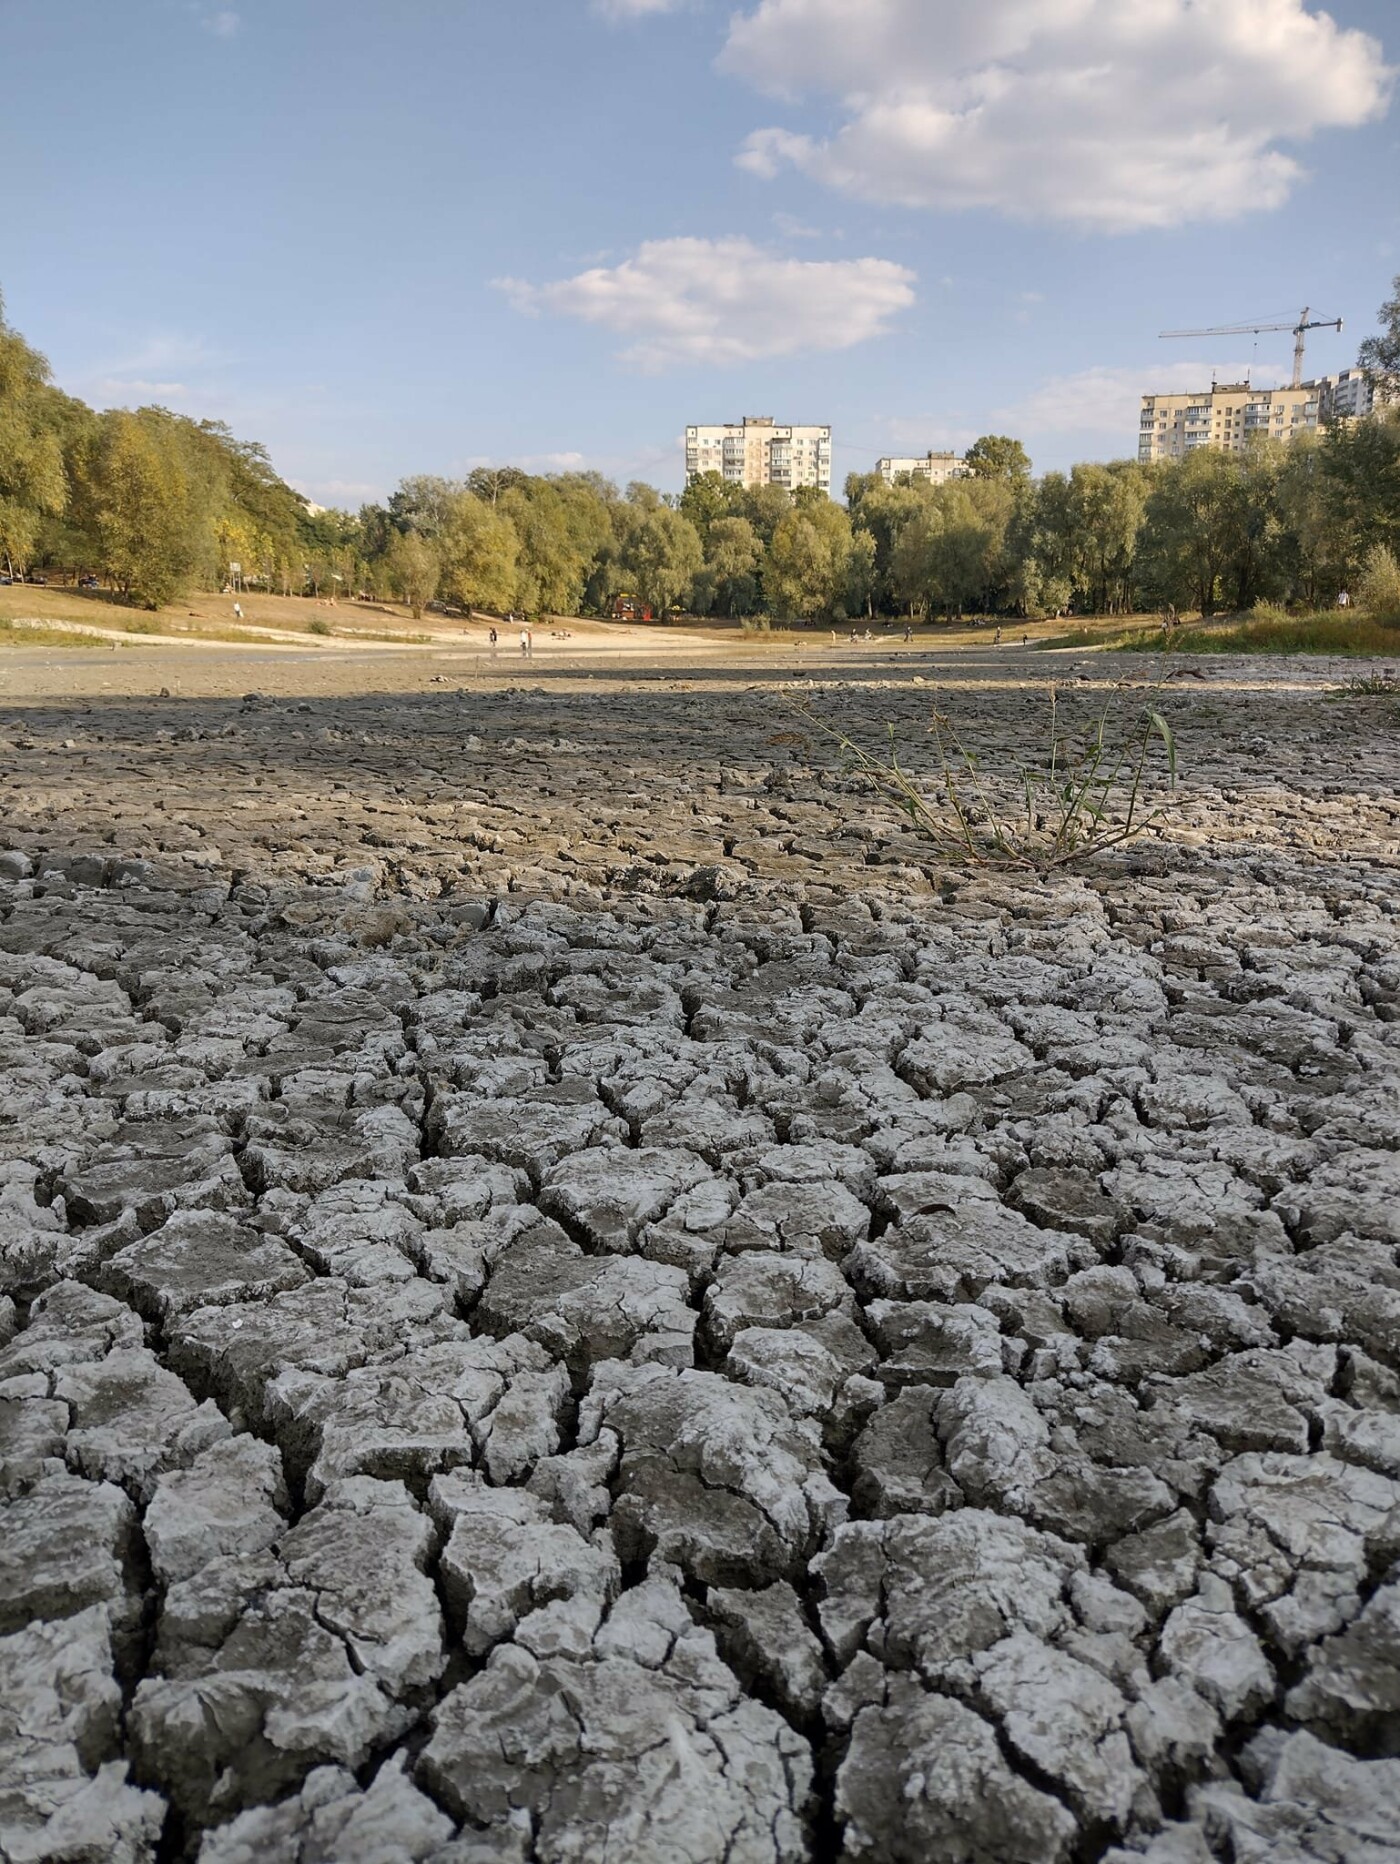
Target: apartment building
[(758, 451), (936, 468), (1351, 396), (1226, 416)]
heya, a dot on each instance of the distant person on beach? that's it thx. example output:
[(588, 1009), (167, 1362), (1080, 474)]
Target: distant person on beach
[(238, 611), (524, 640), (996, 638), (493, 637)]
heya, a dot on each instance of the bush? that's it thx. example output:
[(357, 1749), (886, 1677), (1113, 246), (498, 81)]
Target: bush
[(1378, 586), (318, 625)]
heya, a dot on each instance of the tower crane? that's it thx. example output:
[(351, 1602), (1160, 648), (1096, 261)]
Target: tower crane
[(1300, 329)]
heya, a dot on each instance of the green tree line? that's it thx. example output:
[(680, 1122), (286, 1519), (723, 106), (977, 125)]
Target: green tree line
[(154, 503)]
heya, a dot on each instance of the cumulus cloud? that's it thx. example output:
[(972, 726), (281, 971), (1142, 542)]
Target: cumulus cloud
[(1114, 114), (223, 23), (725, 301)]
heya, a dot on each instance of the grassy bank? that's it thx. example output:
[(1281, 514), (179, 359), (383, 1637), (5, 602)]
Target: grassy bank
[(1327, 632), (38, 634)]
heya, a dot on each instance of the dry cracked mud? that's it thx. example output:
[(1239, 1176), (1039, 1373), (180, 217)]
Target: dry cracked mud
[(567, 1294)]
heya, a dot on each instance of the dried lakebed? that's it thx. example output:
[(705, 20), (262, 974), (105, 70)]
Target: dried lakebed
[(565, 1295)]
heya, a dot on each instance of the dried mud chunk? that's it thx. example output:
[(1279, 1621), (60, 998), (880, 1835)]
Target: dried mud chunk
[(532, 1133), (311, 1647), (32, 1430), (587, 1308), (1315, 1806), (899, 1460), (1352, 1688), (1208, 1645), (764, 1636), (611, 1193), (435, 1409), (1060, 1199), (200, 1259), (1347, 1290), (153, 1172), (1068, 1721), (805, 1219), (646, 1748), (70, 1325), (130, 1420), (59, 1715), (333, 1821), (952, 1057), (230, 1501), (1298, 1536), (1159, 1564), (1251, 1401), (763, 1290), (286, 1149), (717, 1478), (364, 1551), (932, 1342), (506, 1558), (930, 1594), (359, 1232), (323, 1328), (924, 1778), (954, 1255), (67, 1545)]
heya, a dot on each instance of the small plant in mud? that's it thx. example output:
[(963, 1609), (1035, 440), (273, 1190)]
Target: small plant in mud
[(1371, 686), (1093, 788)]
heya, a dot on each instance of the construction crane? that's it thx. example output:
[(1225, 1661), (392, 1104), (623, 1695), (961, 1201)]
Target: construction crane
[(1300, 329)]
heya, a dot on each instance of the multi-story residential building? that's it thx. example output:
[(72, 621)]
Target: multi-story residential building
[(757, 451), (937, 468), (1351, 396), (1226, 416)]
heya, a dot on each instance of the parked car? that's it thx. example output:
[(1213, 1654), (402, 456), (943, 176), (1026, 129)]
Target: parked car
[(40, 582), (88, 582)]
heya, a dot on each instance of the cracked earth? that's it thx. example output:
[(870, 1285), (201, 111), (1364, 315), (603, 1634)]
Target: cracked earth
[(568, 1295)]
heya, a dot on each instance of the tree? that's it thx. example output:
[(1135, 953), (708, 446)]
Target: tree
[(142, 508), (1379, 355), (998, 456), (809, 562), (1378, 586), (1189, 532), (728, 582), (33, 482), (480, 556), (415, 570), (1105, 510), (662, 557), (488, 482), (708, 497)]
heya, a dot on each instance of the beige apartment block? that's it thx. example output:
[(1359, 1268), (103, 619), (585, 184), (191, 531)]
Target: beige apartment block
[(1226, 416), (936, 468), (757, 451)]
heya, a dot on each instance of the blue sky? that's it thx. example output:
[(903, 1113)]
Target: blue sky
[(393, 236)]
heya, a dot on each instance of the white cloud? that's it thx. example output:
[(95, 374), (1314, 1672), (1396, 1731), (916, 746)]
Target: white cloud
[(633, 9), (1115, 114), (725, 301), (126, 392), (1106, 401), (223, 23)]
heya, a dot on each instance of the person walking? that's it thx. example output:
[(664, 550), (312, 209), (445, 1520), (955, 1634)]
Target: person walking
[(492, 638), (524, 642)]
